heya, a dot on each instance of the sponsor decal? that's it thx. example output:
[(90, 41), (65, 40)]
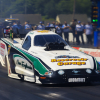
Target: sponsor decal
[(75, 71), (9, 47), (2, 52), (79, 59), (76, 48), (61, 61), (23, 64), (95, 54), (31, 32), (44, 31), (71, 63), (92, 52), (2, 45), (66, 56)]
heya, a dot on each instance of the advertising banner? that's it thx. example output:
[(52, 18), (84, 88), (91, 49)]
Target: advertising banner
[(93, 52)]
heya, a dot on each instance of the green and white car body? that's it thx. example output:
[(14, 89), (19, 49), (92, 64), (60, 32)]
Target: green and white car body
[(41, 58)]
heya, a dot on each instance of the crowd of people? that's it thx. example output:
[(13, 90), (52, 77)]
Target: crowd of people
[(76, 28)]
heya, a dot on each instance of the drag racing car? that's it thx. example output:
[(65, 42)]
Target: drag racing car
[(44, 57)]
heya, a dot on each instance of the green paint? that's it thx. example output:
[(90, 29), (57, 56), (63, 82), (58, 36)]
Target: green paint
[(17, 55), (37, 64), (97, 64), (31, 33)]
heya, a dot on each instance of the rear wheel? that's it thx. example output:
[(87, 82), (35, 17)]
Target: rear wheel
[(11, 63), (34, 75), (6, 65)]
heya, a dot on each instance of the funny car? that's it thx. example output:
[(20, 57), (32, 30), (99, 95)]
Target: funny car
[(44, 57)]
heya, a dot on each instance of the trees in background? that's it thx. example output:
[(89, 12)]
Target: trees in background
[(47, 8)]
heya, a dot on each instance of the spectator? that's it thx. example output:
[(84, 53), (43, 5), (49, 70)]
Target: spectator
[(27, 27), (29, 24), (53, 24), (79, 32), (83, 25), (41, 26), (65, 28), (73, 25), (89, 31), (19, 27), (58, 29), (48, 25), (14, 27)]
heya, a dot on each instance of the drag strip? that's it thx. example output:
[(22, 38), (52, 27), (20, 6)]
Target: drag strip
[(12, 89)]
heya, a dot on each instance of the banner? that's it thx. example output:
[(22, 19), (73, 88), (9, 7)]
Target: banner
[(93, 52)]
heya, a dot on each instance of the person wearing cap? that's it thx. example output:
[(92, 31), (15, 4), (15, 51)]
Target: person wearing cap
[(65, 28), (88, 31), (48, 25), (14, 27), (53, 24), (27, 27), (58, 29), (41, 26), (79, 32), (19, 27)]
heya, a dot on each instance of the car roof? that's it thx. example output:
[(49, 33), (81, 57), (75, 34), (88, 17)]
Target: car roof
[(40, 32)]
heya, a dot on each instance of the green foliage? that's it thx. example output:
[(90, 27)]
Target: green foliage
[(47, 8)]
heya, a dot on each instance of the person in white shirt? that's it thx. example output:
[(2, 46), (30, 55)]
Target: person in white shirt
[(88, 31), (79, 32)]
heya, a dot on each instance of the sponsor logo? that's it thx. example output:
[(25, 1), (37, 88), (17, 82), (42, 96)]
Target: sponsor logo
[(95, 54), (79, 59), (44, 31), (71, 63), (2, 52), (31, 32), (66, 56), (23, 64), (2, 45), (75, 71), (61, 61)]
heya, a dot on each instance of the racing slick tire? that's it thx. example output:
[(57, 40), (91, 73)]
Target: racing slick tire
[(6, 65), (34, 75), (11, 63)]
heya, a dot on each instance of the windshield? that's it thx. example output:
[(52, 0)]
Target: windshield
[(41, 40)]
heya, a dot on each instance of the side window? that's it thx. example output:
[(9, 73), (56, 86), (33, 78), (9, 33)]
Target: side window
[(27, 43)]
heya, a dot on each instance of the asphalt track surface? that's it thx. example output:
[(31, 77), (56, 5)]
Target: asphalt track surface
[(13, 89)]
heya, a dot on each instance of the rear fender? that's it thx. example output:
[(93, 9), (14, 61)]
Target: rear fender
[(3, 52)]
